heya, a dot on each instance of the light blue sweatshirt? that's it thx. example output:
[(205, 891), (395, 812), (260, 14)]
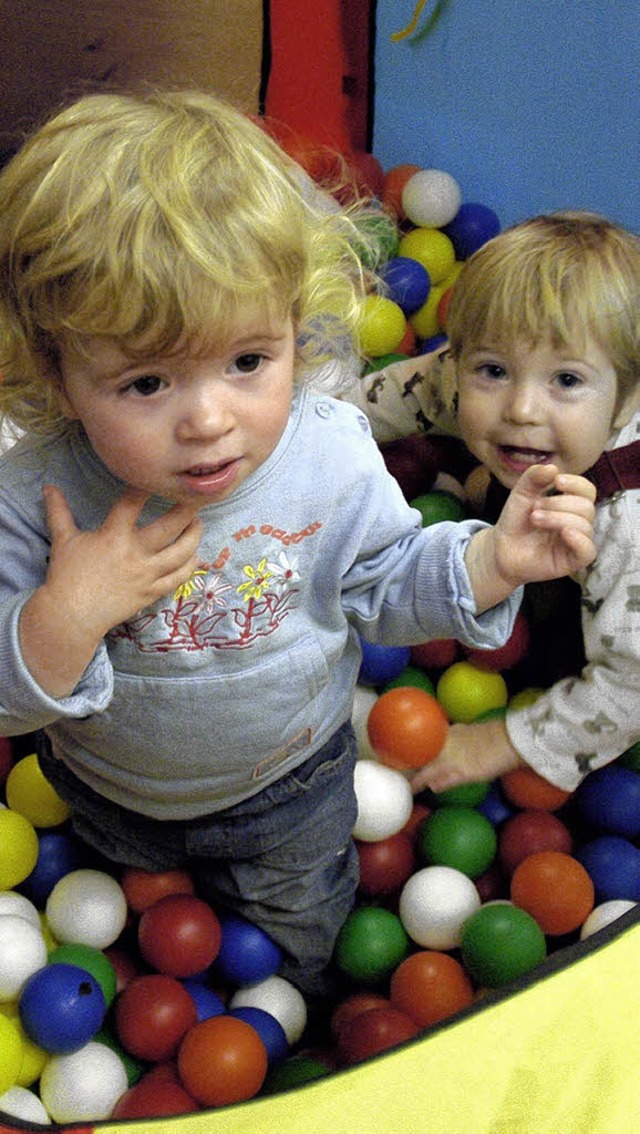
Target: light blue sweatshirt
[(216, 691)]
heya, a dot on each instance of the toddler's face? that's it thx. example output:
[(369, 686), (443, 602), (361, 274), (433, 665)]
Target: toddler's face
[(525, 405), (181, 427)]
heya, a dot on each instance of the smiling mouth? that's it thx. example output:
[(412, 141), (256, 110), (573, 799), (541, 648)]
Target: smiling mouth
[(525, 456)]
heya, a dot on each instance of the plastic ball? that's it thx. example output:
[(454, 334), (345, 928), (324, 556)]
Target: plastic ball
[(407, 727), (603, 915), (381, 326), (609, 801), (18, 848), (62, 1007), (436, 506), (20, 1103), (152, 1014), (370, 944), (279, 997), (631, 758), (525, 788), (384, 799), (413, 676), (222, 1061), (142, 888), (207, 1002), (466, 692), (393, 184), (500, 942), (247, 954), (424, 321), (34, 1057), (432, 249), (408, 282), (381, 664), (434, 905), (429, 987), (30, 794), (353, 1005), (22, 953), (471, 227), (10, 1053), (437, 654), (504, 657), (6, 758), (613, 864), (372, 1032), (294, 1072), (459, 837), (58, 854), (93, 961), (464, 795), (158, 1094), (87, 906), (386, 864), (179, 935), (83, 1086), (530, 831), (11, 902), (268, 1028), (555, 889), (431, 198)]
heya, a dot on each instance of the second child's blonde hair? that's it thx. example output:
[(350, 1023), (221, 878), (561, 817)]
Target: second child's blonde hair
[(553, 278), (157, 221)]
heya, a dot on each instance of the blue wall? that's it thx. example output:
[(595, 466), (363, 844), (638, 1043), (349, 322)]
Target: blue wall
[(532, 105)]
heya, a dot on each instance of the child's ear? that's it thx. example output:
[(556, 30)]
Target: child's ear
[(66, 409), (627, 409)]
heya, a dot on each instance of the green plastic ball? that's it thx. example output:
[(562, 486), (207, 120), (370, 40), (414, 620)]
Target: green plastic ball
[(413, 676), (465, 795), (631, 758), (459, 837), (294, 1072), (93, 961), (439, 505), (371, 944), (500, 942)]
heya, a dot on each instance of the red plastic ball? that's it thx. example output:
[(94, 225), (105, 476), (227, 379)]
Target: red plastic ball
[(438, 654), (152, 1014), (386, 864), (222, 1060), (504, 657), (155, 1096), (144, 887), (180, 935), (555, 889), (430, 986), (530, 831), (372, 1032), (407, 727), (352, 1006), (526, 789)]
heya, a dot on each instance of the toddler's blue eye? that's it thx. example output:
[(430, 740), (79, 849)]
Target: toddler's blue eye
[(568, 381), (146, 384), (248, 363)]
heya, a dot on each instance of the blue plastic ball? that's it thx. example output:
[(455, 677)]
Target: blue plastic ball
[(58, 854), (613, 864), (408, 281), (381, 664), (471, 227), (435, 342), (247, 954), (61, 1008), (207, 1002), (609, 801), (268, 1028)]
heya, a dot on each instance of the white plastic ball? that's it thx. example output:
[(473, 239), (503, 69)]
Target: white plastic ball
[(13, 903), (385, 801), (87, 907), (431, 198), (83, 1086), (22, 953), (434, 905), (279, 997), (604, 914), (363, 702), (25, 1105)]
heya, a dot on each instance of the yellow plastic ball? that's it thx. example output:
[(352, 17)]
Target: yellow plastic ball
[(525, 697), (18, 848), (33, 1057), (425, 320), (466, 692), (30, 794), (10, 1053), (431, 248), (381, 326)]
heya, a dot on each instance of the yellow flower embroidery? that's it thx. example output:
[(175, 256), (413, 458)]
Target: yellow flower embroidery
[(185, 590), (258, 578)]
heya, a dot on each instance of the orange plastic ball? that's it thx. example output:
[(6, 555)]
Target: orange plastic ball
[(555, 889), (430, 986), (144, 887), (525, 788), (407, 727), (222, 1060), (393, 184)]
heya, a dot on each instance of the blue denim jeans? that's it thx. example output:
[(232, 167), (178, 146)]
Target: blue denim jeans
[(284, 858)]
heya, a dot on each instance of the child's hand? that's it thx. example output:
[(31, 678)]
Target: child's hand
[(97, 579), (545, 531), (472, 753)]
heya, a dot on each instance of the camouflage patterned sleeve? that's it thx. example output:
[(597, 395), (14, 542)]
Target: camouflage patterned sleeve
[(417, 395)]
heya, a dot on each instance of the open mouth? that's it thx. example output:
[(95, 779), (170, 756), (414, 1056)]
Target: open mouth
[(211, 478), (515, 455)]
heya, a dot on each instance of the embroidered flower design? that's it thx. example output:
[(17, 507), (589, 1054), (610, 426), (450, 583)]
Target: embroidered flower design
[(284, 571), (257, 580), (211, 592), (185, 590)]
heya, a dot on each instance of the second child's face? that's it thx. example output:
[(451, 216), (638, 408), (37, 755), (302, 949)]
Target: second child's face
[(527, 405), (189, 429)]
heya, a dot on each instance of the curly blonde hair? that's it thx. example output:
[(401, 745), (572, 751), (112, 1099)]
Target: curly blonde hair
[(153, 221), (553, 277)]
